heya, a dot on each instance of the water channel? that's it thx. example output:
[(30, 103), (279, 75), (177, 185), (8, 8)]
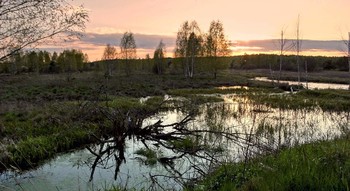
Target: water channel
[(251, 129)]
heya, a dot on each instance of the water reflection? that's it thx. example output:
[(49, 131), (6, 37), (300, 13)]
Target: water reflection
[(182, 146)]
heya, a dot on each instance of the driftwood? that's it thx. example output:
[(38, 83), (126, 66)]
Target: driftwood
[(129, 126)]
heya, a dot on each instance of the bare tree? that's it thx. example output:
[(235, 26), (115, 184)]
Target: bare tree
[(298, 47), (28, 23), (128, 50), (216, 44), (282, 44), (189, 45), (348, 45), (109, 54), (347, 51)]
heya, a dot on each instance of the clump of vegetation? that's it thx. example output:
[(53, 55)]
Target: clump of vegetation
[(150, 156), (186, 144)]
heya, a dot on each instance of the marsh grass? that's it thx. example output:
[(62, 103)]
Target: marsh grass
[(317, 166), (39, 134)]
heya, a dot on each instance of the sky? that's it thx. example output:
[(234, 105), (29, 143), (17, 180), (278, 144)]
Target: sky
[(251, 25)]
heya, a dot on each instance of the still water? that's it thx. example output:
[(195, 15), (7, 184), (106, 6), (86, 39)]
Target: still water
[(251, 128), (309, 85)]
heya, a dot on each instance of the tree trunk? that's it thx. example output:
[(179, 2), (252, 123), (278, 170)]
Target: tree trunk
[(306, 76), (282, 43), (349, 58), (192, 67)]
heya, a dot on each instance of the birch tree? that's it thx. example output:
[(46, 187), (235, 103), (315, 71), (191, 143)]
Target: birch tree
[(216, 44), (159, 58), (189, 43), (128, 50), (109, 54)]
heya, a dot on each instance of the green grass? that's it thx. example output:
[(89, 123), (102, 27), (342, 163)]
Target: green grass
[(40, 133), (29, 152), (316, 166)]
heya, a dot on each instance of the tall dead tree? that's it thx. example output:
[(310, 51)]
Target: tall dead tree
[(298, 48), (347, 52), (282, 44), (348, 46)]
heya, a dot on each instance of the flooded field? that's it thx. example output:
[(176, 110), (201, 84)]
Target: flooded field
[(232, 130)]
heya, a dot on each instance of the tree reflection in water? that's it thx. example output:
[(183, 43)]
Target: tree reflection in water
[(187, 151), (209, 135)]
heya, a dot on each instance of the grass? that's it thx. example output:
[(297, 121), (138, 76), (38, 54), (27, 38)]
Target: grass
[(317, 166), (38, 134)]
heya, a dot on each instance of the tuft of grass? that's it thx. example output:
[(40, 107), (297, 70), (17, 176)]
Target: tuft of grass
[(150, 155), (186, 144)]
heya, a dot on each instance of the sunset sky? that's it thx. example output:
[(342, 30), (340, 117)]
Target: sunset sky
[(250, 24)]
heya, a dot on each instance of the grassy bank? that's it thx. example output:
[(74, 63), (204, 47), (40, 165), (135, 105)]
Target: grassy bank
[(318, 166), (31, 136)]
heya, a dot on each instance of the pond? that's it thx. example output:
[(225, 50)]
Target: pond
[(309, 85), (232, 130)]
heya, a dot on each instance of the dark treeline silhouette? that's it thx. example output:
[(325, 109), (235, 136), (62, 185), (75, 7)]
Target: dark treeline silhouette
[(313, 63), (76, 61), (45, 62), (245, 62)]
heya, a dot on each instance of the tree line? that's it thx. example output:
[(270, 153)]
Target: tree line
[(195, 52), (45, 62)]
